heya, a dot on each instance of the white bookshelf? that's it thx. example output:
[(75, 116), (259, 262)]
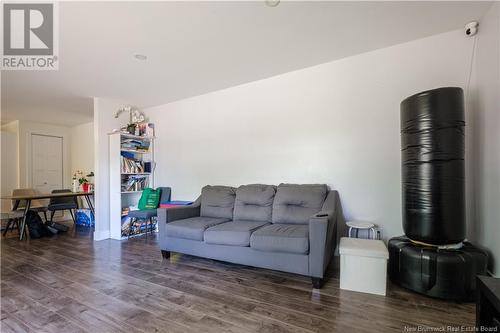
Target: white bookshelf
[(119, 197)]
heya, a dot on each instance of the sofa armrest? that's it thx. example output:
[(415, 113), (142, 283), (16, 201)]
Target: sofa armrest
[(167, 215), (323, 234)]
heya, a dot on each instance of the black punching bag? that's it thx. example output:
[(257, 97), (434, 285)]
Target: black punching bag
[(433, 173)]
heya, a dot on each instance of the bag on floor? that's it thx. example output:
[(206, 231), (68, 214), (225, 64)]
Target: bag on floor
[(59, 227), (85, 217), (35, 225), (54, 231)]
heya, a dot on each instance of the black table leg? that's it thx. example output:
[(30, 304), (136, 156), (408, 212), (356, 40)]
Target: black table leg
[(89, 202), (23, 223), (16, 204)]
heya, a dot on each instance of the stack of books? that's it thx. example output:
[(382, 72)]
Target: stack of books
[(135, 145)]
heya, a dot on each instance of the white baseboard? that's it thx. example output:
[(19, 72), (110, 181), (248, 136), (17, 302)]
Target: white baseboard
[(101, 235)]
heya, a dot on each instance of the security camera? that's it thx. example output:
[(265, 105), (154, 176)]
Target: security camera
[(471, 28)]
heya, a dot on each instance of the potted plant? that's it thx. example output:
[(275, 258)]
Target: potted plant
[(82, 180), (87, 185)]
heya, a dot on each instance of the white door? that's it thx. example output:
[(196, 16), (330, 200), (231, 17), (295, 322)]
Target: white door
[(46, 162)]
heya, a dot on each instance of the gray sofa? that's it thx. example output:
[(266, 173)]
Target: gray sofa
[(291, 228)]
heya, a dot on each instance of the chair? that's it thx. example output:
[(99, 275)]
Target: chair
[(63, 203), (12, 218), (148, 214), (36, 205)]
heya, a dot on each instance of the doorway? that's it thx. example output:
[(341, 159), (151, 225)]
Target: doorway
[(46, 162)]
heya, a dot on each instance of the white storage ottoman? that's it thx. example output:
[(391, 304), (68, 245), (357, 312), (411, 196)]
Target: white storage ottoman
[(363, 265)]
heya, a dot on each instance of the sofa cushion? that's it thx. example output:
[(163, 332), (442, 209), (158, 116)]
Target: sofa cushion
[(290, 238), (217, 201), (192, 228), (235, 233), (254, 202), (295, 204)]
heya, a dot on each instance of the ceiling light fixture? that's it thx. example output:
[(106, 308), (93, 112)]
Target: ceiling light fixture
[(272, 3), (140, 56)]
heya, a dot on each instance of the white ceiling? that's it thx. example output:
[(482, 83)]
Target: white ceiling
[(198, 47)]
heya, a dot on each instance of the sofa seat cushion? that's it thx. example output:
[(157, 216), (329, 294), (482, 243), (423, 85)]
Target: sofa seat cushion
[(254, 202), (295, 204), (217, 201), (192, 228), (235, 233), (290, 238)]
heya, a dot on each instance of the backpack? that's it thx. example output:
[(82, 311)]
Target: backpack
[(35, 225)]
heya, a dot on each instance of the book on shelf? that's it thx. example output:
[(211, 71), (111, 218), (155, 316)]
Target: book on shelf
[(134, 183), (125, 211), (135, 145), (131, 165), (131, 227)]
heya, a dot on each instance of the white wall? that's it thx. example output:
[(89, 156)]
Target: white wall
[(336, 123), (9, 180), (485, 138), (82, 150), (13, 128), (104, 123)]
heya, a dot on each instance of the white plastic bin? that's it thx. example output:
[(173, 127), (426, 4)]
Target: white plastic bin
[(363, 265)]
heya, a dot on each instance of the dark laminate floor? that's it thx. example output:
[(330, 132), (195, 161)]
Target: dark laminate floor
[(71, 284)]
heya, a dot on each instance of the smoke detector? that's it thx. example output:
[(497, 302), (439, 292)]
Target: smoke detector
[(471, 28)]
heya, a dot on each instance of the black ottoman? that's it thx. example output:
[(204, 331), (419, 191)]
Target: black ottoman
[(446, 274)]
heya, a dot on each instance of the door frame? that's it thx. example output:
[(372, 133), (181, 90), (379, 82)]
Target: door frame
[(30, 159)]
